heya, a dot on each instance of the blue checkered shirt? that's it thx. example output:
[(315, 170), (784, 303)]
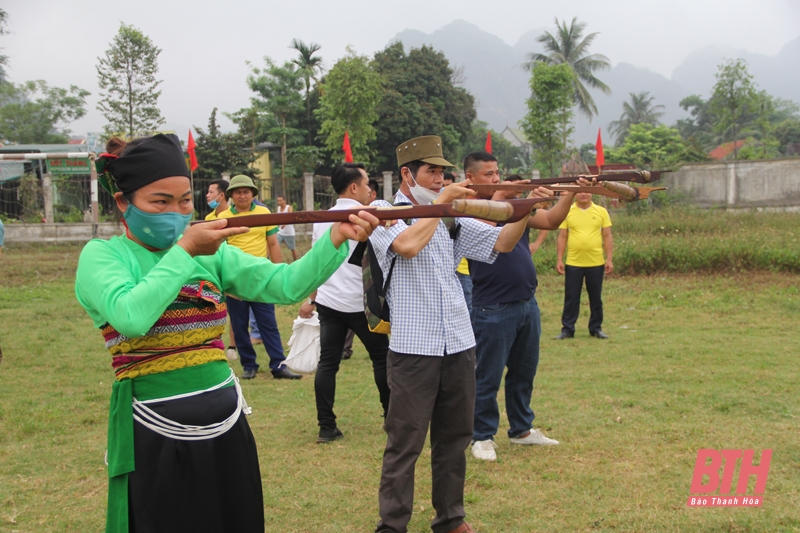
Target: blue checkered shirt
[(428, 312)]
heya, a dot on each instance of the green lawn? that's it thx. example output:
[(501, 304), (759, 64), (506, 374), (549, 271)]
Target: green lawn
[(694, 361)]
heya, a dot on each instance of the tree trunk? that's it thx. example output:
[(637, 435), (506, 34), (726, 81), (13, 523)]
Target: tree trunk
[(308, 112), (283, 158)]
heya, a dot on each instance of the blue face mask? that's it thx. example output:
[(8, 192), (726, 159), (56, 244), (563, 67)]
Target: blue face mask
[(158, 230), (213, 204)]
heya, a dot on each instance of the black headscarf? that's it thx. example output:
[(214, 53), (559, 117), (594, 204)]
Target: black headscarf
[(152, 159)]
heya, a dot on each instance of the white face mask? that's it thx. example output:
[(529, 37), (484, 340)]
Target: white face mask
[(422, 195)]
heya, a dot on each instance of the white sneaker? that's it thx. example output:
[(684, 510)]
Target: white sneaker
[(484, 450), (534, 436), (231, 353)]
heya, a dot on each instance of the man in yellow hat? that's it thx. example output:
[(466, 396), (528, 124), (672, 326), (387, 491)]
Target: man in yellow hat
[(260, 242), (431, 360)]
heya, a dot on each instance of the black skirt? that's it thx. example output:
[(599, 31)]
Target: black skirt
[(209, 485)]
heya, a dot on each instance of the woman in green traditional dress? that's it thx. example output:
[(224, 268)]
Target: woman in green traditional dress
[(180, 455)]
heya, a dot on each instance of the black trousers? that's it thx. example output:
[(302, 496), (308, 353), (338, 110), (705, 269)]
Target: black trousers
[(435, 391), (189, 486), (333, 327), (573, 284)]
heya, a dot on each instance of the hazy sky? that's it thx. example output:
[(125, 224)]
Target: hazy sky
[(205, 44)]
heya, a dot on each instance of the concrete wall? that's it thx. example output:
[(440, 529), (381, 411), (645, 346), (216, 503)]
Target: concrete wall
[(59, 232), (773, 183)]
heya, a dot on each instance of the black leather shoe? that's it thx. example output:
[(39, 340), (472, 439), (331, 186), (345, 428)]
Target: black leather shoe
[(599, 335), (328, 435), (285, 373), (249, 373), (564, 335)]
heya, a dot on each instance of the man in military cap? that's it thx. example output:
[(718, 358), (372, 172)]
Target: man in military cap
[(431, 360), (260, 242)]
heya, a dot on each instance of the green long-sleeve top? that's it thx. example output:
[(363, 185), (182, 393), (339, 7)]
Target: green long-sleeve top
[(129, 287)]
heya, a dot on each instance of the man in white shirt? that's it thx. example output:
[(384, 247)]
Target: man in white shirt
[(340, 305), (286, 232)]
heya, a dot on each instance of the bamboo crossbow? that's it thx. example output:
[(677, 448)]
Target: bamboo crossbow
[(496, 211), (633, 176), (612, 189)]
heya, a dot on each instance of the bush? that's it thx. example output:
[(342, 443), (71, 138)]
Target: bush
[(686, 239)]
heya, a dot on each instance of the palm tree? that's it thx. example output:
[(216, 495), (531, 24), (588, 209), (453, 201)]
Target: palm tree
[(638, 111), (567, 47), (309, 66)]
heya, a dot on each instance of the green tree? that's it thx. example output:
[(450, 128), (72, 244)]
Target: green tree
[(567, 47), (3, 57), (509, 157), (219, 152), (699, 126), (548, 123), (735, 101), (588, 153), (421, 98), (787, 132), (278, 97), (350, 96), (127, 77), (640, 110), (309, 65), (34, 112), (654, 147)]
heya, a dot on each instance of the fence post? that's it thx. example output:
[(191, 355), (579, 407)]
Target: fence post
[(731, 193), (95, 198), (47, 193), (535, 174), (387, 185), (308, 191)]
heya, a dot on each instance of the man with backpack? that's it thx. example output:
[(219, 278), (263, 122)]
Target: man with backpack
[(340, 305), (431, 359)]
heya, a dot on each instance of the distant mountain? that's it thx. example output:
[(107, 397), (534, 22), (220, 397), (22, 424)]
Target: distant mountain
[(493, 73), (779, 75)]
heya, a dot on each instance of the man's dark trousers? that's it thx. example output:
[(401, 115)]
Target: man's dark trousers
[(239, 311), (333, 326), (435, 391), (573, 284)]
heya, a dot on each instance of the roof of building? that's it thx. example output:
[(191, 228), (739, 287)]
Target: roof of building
[(514, 134), (724, 150)]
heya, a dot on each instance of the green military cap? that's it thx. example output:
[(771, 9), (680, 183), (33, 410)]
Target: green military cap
[(427, 149), (238, 182)]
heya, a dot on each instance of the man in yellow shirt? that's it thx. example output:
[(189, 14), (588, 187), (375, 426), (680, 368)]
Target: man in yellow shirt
[(587, 229), (258, 242)]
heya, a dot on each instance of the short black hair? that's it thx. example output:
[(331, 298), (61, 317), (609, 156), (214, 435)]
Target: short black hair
[(373, 184), (477, 157), (412, 166), (345, 174), (222, 185), (513, 177), (449, 176)]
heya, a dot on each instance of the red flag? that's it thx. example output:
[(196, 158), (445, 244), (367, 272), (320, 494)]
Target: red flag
[(601, 157), (489, 141), (348, 154), (192, 155)]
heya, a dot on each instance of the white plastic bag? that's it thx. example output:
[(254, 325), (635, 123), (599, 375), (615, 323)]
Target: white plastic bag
[(304, 343)]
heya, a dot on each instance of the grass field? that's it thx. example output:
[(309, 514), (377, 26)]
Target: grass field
[(694, 361)]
